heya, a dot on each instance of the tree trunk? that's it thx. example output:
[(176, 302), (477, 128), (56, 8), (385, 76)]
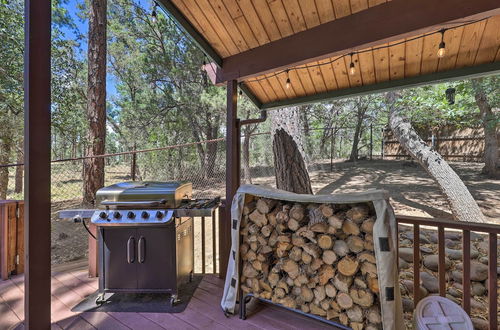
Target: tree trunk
[(490, 131), (289, 163), (462, 204), (355, 141), (96, 100), (5, 148), (247, 177), (18, 188)]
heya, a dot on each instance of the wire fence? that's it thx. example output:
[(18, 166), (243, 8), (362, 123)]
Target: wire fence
[(202, 163)]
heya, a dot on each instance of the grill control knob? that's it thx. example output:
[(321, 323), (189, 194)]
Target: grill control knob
[(131, 215), (145, 215), (159, 215), (117, 215), (103, 215)]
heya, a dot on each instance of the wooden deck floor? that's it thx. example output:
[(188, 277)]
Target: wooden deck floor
[(203, 312)]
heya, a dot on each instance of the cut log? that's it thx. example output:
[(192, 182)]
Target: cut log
[(342, 283), (265, 205), (358, 213), (319, 227), (344, 300), (297, 212), (369, 242), (279, 293), (329, 257), (298, 241), (340, 248), (361, 297), (330, 290), (355, 244), (307, 293), (306, 258), (295, 253), (291, 267), (319, 293), (249, 271), (288, 302), (355, 314), (351, 228), (258, 218), (317, 310), (344, 319), (356, 325), (360, 283), (273, 279), (316, 264), (331, 314), (367, 226), (293, 224), (312, 249), (325, 242), (249, 207), (368, 268), (348, 266), (373, 284), (335, 222), (266, 230), (373, 315), (367, 256), (325, 274), (326, 210)]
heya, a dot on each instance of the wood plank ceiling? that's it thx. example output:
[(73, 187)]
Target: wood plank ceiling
[(234, 26)]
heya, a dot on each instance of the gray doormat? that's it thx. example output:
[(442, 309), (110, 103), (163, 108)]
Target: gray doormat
[(140, 302)]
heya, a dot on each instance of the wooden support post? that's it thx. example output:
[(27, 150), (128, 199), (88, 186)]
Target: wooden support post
[(232, 172), (93, 252), (37, 163)]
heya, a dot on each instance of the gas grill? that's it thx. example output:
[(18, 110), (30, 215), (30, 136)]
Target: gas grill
[(143, 246)]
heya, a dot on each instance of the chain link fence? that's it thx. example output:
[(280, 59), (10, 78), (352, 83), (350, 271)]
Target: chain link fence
[(202, 163)]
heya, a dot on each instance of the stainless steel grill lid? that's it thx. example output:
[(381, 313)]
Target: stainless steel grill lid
[(147, 194)]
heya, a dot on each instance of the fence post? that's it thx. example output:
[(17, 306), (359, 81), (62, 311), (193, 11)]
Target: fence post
[(371, 141), (383, 143), (331, 152), (133, 166)]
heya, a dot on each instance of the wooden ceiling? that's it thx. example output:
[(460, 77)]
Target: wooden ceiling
[(233, 27)]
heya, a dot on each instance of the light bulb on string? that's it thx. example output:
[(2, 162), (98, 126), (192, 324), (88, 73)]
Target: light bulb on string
[(154, 14), (442, 46), (288, 83), (352, 67)]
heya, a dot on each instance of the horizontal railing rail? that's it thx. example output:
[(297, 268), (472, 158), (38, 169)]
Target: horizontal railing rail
[(466, 227)]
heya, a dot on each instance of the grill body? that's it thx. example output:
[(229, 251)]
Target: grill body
[(146, 249)]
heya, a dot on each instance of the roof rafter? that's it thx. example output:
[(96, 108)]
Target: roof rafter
[(387, 22)]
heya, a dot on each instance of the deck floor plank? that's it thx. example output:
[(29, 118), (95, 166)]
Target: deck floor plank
[(203, 311)]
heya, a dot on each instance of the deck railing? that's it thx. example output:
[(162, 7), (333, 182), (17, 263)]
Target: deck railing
[(466, 228)]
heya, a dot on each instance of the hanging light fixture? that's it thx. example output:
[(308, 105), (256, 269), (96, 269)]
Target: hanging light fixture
[(154, 14), (450, 95), (352, 67), (442, 45), (288, 83)]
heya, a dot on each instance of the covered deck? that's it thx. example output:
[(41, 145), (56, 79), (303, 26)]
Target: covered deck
[(390, 44)]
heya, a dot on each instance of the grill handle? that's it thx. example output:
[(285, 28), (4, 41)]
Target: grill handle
[(134, 203), (141, 247), (131, 250)]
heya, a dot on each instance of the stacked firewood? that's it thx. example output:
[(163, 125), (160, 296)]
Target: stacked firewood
[(317, 258)]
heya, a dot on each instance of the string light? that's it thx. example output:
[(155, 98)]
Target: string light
[(442, 45), (154, 14), (352, 67), (288, 83)]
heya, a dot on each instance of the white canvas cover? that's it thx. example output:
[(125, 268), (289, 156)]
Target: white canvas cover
[(384, 230)]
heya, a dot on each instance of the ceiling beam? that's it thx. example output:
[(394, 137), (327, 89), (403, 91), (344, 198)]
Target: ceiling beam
[(184, 24), (394, 20), (428, 79)]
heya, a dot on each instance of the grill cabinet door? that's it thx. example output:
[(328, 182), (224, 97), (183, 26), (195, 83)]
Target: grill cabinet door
[(120, 258), (156, 258)]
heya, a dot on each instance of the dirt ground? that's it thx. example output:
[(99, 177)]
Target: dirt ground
[(411, 189)]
